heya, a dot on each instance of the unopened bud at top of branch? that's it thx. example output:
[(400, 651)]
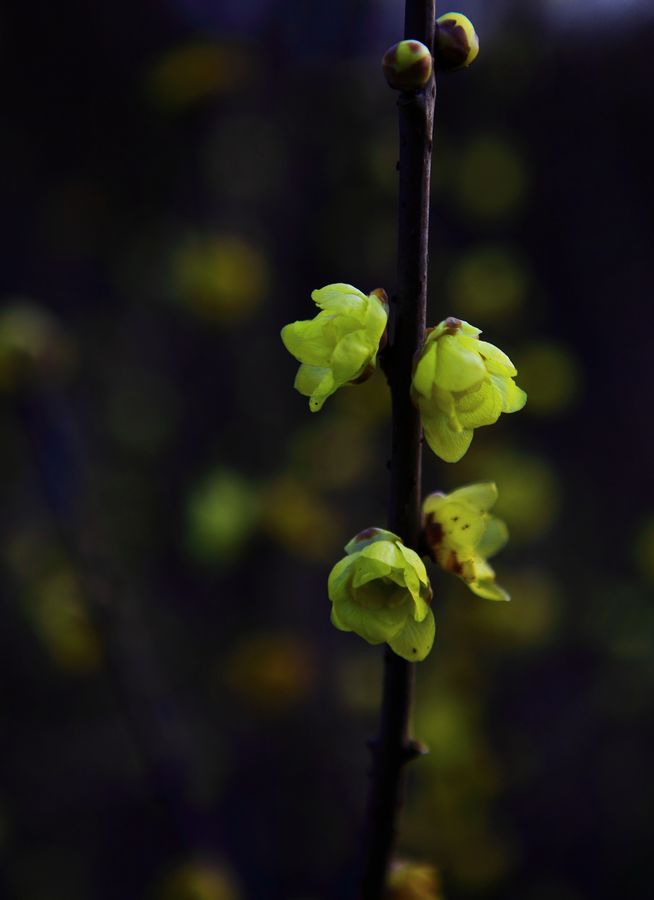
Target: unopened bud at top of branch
[(407, 66), (456, 44)]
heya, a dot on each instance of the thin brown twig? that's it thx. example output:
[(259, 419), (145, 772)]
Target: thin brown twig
[(393, 747)]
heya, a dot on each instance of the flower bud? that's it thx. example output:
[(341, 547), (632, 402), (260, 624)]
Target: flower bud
[(456, 44), (407, 66)]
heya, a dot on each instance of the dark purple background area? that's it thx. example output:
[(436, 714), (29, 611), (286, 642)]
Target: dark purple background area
[(94, 181)]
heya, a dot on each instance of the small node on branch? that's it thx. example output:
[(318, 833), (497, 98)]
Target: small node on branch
[(456, 44), (407, 66), (414, 749)]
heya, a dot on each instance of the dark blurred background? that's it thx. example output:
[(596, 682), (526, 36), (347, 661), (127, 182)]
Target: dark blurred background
[(179, 719)]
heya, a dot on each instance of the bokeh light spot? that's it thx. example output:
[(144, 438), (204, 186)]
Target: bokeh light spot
[(550, 375), (194, 72), (62, 622), (271, 671), (529, 490), (221, 514), (221, 278), (333, 453), (413, 881), (487, 284), (200, 880), (533, 614), (490, 180), (300, 520), (32, 344)]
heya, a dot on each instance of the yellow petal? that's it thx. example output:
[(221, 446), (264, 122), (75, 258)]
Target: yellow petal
[(444, 402), (446, 443), (347, 616), (480, 407), (341, 298), (416, 639), (375, 321), (480, 578), (308, 378), (495, 536), (324, 390), (481, 496), (340, 577), (415, 562), (425, 373), (469, 330), (365, 610), (492, 353), (369, 536), (463, 527), (513, 397), (384, 551), (336, 327), (457, 368), (369, 570), (489, 590), (351, 355), (306, 341), (433, 502)]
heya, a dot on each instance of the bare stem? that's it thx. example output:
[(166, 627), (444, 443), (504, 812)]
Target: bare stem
[(393, 747)]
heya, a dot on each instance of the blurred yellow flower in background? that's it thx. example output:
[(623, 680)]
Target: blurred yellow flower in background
[(200, 880), (223, 278), (413, 881), (271, 671), (33, 344)]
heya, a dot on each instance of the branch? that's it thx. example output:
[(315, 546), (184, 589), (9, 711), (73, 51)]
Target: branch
[(393, 747)]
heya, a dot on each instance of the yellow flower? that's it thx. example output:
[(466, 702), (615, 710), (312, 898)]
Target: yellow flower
[(380, 590), (461, 536), (340, 345), (461, 383)]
